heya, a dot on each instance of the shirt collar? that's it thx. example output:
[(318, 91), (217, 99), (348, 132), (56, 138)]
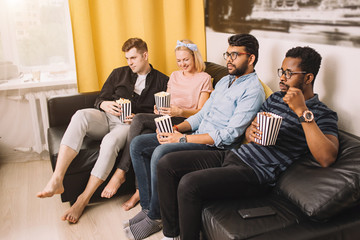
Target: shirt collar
[(312, 101), (242, 78)]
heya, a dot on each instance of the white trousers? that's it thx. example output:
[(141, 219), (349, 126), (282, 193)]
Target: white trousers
[(97, 125)]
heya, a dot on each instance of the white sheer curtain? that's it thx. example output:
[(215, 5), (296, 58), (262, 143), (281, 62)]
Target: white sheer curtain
[(36, 62)]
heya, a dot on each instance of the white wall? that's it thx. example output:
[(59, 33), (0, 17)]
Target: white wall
[(337, 83)]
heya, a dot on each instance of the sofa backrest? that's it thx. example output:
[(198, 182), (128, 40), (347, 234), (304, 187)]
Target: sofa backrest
[(62, 107), (217, 72)]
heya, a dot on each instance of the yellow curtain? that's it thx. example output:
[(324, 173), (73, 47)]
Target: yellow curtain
[(100, 27)]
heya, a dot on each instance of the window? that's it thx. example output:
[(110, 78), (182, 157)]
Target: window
[(36, 36)]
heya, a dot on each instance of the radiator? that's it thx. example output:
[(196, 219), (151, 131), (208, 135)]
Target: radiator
[(40, 117)]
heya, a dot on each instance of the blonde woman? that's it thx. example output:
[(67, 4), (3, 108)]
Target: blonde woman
[(189, 87)]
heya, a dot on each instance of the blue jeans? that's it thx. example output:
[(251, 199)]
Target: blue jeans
[(145, 152)]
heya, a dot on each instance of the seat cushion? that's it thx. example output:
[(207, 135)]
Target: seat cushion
[(324, 192), (221, 220)]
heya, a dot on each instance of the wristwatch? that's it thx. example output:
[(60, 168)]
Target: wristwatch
[(307, 116), (183, 139)]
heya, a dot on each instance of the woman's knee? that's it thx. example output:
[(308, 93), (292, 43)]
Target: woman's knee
[(138, 118)]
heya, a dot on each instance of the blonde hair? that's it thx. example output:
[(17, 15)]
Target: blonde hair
[(199, 62)]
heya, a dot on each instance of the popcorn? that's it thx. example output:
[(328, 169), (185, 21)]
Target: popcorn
[(269, 126), (163, 124), (162, 99), (125, 108)]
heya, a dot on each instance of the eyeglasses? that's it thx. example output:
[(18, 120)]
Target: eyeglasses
[(288, 73), (233, 55)]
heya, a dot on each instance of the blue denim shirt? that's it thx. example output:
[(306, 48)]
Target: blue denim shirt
[(229, 110)]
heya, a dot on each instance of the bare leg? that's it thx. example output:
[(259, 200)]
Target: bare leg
[(129, 204), (55, 184), (74, 213), (114, 184)]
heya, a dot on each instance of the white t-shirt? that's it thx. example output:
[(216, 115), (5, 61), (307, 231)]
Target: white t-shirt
[(140, 83)]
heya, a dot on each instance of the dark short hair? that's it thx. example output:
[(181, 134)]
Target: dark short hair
[(137, 43), (310, 59), (248, 41)]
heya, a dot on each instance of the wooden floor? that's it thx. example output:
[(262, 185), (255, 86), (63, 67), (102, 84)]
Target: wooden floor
[(24, 216)]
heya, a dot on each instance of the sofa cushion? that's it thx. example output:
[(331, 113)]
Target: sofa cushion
[(216, 71), (323, 192), (221, 220)]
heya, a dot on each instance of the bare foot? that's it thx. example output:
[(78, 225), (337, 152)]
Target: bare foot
[(74, 213), (114, 184), (54, 186), (129, 204)]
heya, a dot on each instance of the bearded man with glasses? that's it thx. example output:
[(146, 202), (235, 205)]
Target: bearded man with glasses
[(219, 125)]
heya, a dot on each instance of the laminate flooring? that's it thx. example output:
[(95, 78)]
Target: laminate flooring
[(24, 216)]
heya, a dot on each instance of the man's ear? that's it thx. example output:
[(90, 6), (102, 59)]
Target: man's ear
[(146, 55), (252, 59), (309, 77)]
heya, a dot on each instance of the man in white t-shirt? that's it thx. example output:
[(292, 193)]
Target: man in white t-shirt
[(137, 82)]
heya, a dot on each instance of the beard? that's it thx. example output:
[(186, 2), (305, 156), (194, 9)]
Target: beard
[(238, 71)]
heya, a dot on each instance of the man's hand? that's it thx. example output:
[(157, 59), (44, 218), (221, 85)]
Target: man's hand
[(253, 132), (295, 99), (128, 119), (164, 138), (111, 107), (155, 110)]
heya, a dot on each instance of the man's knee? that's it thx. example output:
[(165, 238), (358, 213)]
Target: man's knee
[(160, 151), (164, 164), (188, 186), (82, 116), (137, 141), (112, 142)]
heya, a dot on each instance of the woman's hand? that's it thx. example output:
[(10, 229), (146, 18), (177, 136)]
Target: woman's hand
[(172, 111), (253, 132)]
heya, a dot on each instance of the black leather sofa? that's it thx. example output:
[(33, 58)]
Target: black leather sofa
[(310, 202), (60, 111)]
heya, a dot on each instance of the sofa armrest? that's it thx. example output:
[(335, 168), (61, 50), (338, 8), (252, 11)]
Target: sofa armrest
[(324, 192), (62, 107)]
